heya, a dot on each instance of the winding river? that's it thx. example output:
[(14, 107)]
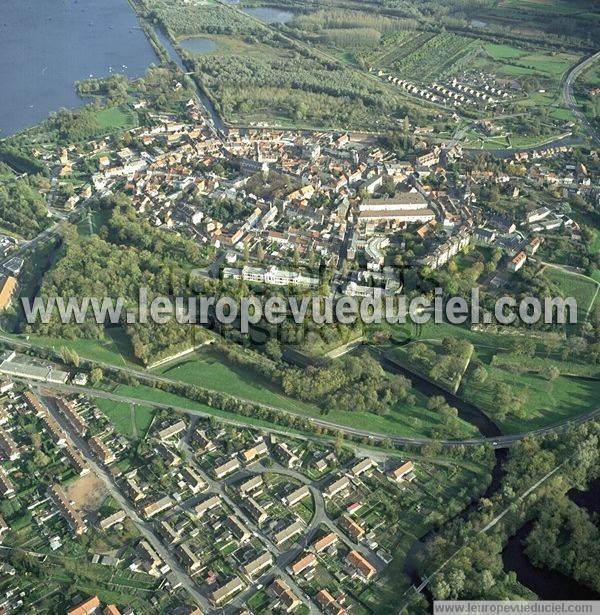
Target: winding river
[(547, 584), (466, 411)]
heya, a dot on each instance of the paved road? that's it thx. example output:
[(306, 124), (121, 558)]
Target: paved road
[(281, 560), (28, 245), (496, 442), (320, 517), (147, 377), (570, 98), (145, 528)]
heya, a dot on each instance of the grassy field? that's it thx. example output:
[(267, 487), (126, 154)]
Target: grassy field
[(522, 65), (549, 6), (133, 422), (547, 403), (571, 285), (540, 364), (150, 394), (115, 349), (116, 119), (212, 372), (513, 59)]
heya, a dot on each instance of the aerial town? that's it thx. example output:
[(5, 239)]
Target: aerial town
[(269, 520), (294, 200), (260, 150)]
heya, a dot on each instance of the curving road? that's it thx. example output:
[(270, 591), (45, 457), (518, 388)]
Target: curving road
[(496, 442), (570, 98), (373, 436), (145, 528)]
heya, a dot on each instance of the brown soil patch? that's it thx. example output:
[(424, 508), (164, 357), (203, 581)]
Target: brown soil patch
[(87, 492)]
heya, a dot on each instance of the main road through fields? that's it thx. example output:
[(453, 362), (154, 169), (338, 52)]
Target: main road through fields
[(570, 98), (147, 377), (498, 442)]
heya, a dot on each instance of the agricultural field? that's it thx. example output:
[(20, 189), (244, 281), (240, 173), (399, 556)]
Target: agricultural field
[(256, 76), (565, 7), (529, 72), (429, 57)]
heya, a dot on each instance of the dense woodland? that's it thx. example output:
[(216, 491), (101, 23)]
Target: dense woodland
[(444, 363), (22, 208), (564, 536), (128, 254), (351, 383)]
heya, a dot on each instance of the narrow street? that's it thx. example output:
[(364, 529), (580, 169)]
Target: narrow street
[(144, 527)]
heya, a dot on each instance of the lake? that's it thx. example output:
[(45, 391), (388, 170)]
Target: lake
[(48, 45), (270, 15)]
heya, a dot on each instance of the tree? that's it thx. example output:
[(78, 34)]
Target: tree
[(69, 357), (96, 376), (551, 373), (479, 374), (273, 350), (338, 443)]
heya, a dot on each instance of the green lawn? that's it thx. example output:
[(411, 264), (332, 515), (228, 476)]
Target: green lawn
[(548, 403), (438, 331), (502, 52), (572, 285), (116, 118), (133, 424), (210, 371), (515, 362), (115, 349), (150, 394)]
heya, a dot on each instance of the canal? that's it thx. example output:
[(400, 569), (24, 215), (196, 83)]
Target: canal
[(207, 103)]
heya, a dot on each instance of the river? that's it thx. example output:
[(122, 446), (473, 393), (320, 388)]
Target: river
[(588, 499), (547, 584), (48, 45), (466, 411)]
